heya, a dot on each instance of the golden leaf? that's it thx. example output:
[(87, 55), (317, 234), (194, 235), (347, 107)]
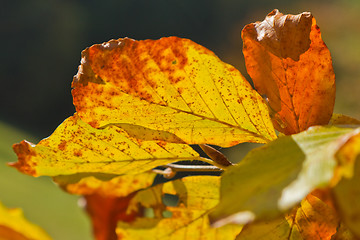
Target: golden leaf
[(76, 147), (172, 85)]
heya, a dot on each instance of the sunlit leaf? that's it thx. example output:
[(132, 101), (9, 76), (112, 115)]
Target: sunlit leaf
[(172, 85), (105, 185), (312, 220), (13, 226), (188, 220), (347, 191), (277, 176), (291, 65), (76, 147)]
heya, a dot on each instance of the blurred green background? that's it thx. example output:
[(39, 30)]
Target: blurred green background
[(42, 41)]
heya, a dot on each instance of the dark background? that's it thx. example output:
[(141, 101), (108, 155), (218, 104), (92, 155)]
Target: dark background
[(42, 40)]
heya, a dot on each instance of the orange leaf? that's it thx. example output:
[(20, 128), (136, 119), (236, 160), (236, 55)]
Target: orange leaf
[(107, 198), (172, 85), (105, 212), (291, 65)]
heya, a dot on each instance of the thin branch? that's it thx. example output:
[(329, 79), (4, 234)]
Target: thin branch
[(172, 169), (193, 168)]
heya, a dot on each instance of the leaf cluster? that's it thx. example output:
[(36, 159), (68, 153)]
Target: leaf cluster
[(141, 106)]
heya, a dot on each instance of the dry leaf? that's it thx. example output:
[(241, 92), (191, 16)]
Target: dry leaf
[(290, 64)]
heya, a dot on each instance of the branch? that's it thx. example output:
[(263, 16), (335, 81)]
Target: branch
[(172, 169)]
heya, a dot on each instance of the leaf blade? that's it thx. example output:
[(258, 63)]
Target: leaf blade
[(291, 65), (76, 147), (173, 85)]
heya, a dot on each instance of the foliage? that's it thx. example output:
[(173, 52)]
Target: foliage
[(141, 104), (13, 225)]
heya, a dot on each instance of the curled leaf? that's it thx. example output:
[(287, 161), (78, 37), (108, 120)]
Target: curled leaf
[(290, 64), (172, 85)]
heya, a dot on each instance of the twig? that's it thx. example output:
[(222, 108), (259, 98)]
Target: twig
[(172, 169)]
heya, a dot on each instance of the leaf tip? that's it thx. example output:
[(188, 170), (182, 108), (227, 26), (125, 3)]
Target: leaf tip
[(24, 153)]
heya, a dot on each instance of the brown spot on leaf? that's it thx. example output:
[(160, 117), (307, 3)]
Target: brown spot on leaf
[(62, 145), (78, 153)]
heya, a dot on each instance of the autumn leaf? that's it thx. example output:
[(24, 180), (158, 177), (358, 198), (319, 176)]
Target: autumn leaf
[(347, 191), (13, 226), (274, 178), (313, 219), (106, 197), (76, 147), (196, 196), (104, 184), (172, 85), (105, 212), (291, 65)]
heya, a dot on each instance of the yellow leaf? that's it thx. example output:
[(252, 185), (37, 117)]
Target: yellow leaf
[(347, 191), (76, 147), (172, 85), (13, 226), (113, 186), (196, 197), (290, 64)]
